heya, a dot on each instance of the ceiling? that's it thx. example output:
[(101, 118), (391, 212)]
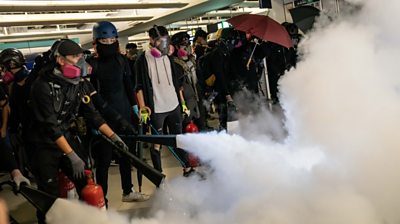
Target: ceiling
[(31, 21)]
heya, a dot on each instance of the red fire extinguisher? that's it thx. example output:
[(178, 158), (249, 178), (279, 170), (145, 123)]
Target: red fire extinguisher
[(66, 187), (92, 193), (193, 160)]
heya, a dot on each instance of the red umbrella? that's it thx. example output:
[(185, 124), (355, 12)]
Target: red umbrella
[(262, 27)]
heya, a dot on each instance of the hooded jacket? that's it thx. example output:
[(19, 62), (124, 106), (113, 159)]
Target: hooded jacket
[(143, 81), (55, 102)]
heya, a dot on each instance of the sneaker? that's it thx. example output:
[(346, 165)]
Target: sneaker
[(187, 173), (192, 171), (135, 197)]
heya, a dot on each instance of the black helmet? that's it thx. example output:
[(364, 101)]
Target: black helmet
[(228, 34), (12, 58), (180, 38), (231, 38)]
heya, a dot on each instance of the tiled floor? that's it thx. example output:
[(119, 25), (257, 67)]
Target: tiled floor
[(24, 212)]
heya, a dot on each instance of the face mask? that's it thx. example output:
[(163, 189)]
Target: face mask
[(71, 71), (107, 50), (21, 75), (8, 77)]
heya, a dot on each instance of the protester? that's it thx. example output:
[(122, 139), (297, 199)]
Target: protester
[(57, 96), (111, 77), (160, 93), (186, 69), (7, 159)]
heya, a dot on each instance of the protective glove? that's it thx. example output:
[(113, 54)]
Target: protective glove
[(228, 98), (19, 178), (135, 109), (118, 141), (78, 166), (231, 105), (185, 109), (145, 113)]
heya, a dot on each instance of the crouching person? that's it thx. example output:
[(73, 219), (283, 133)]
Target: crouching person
[(56, 98)]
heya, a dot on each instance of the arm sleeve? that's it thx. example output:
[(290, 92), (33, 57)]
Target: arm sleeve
[(103, 107), (14, 119), (130, 89), (139, 73)]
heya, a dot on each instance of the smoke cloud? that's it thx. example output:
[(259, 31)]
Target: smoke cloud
[(336, 159)]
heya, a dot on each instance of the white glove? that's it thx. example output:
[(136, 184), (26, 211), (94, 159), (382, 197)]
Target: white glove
[(18, 178)]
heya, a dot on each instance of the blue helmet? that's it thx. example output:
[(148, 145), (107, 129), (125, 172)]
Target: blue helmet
[(104, 29)]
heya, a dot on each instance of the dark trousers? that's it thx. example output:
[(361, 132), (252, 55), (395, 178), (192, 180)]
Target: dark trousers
[(47, 162), (102, 153), (173, 121)]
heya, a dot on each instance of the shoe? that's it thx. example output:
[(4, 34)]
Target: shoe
[(135, 197), (192, 171), (187, 173)]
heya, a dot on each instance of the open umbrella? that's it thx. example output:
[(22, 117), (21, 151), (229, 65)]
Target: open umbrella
[(262, 27), (304, 17), (266, 29)]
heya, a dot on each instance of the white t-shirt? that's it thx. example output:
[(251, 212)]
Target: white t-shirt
[(164, 95)]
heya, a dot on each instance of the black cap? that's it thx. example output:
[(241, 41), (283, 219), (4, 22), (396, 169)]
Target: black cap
[(130, 46), (180, 38), (69, 47), (200, 33)]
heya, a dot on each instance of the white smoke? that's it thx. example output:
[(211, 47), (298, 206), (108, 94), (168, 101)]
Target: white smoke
[(338, 163)]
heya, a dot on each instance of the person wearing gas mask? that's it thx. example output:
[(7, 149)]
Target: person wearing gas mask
[(13, 62), (186, 69), (219, 75), (7, 160), (200, 46), (160, 93), (131, 54), (56, 97), (111, 76)]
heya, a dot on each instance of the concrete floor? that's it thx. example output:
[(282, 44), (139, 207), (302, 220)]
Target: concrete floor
[(24, 212)]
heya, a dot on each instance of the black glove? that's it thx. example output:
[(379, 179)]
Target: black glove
[(78, 166), (118, 141), (231, 106)]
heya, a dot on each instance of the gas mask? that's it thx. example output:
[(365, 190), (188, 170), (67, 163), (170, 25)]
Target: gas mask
[(184, 52), (162, 44), (71, 71), (83, 67), (231, 44), (8, 77)]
